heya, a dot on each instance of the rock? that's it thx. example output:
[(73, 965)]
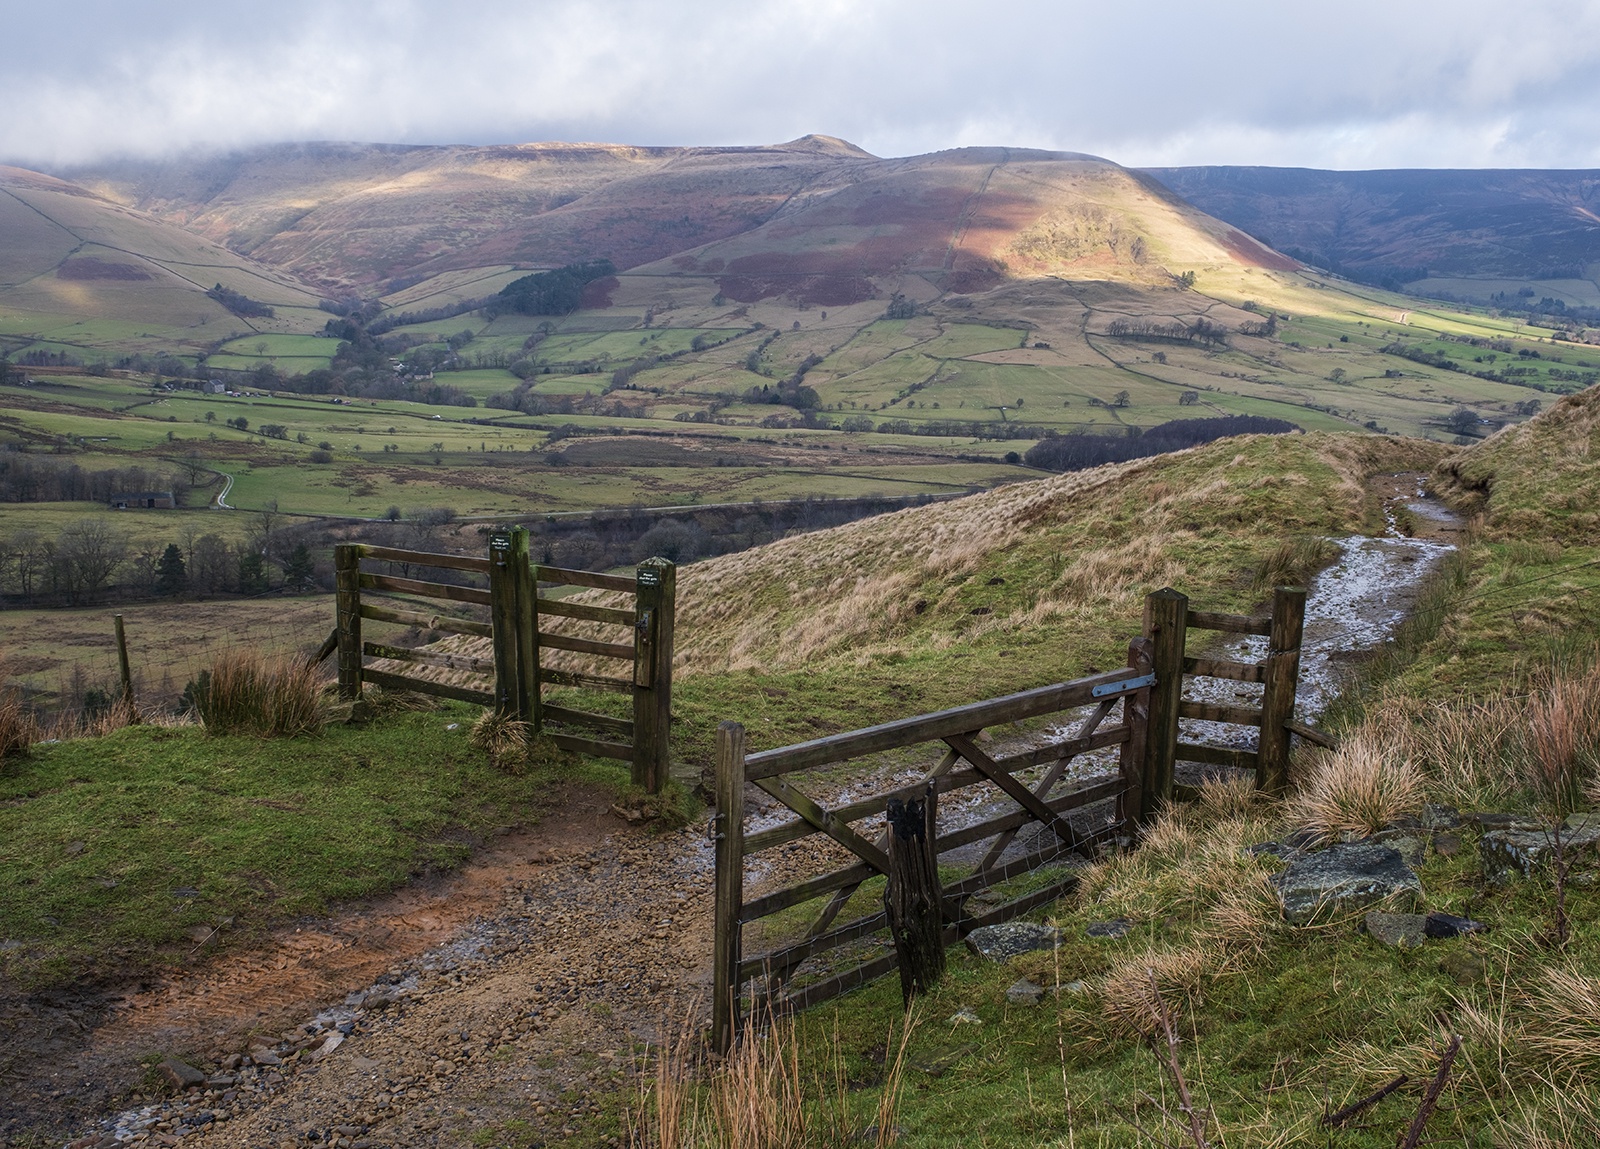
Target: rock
[(1439, 817), (1465, 967), (1447, 845), (1413, 850), (965, 1017), (1009, 939), (265, 1057), (1522, 849), (329, 1044), (1076, 988), (180, 1074), (1405, 931), (1345, 878), (1114, 929), (1024, 992), (1442, 925)]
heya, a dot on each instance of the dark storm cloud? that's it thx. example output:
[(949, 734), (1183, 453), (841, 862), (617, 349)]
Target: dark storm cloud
[(1357, 83)]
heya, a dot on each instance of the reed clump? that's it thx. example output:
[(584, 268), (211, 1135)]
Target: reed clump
[(243, 692)]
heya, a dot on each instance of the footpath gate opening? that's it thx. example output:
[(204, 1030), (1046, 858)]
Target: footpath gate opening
[(981, 845), (513, 678)]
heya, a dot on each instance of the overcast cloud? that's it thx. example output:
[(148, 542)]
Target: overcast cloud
[(1346, 84)]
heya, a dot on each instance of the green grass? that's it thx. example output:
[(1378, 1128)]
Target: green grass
[(100, 839)]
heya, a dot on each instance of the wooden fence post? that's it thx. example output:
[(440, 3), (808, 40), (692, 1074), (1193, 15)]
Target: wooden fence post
[(1136, 716), (526, 595), (503, 623), (652, 672), (729, 837), (1282, 676), (127, 674), (347, 584), (1166, 625), (912, 900)]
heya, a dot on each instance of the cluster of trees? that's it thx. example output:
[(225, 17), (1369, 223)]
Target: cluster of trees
[(558, 292), (1521, 377), (1201, 331), (1078, 451), (29, 478), (240, 304)]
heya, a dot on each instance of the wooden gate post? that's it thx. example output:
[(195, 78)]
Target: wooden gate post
[(911, 900), (503, 623), (347, 619), (1282, 679), (128, 704), (1136, 717), (1166, 625), (729, 838), (525, 593), (655, 604)]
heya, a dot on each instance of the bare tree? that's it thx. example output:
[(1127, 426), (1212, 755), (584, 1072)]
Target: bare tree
[(87, 555)]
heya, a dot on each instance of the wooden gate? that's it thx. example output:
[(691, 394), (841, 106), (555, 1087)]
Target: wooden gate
[(1041, 800), (510, 674)]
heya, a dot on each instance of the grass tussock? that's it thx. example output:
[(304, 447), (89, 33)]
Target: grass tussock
[(1294, 562), (1358, 789), (272, 697), (19, 729), (1562, 1022), (763, 1096), (504, 739)]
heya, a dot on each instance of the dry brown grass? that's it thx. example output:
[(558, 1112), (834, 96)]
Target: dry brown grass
[(1135, 987), (504, 739), (1357, 789), (761, 1097), (1561, 1022), (274, 697), (19, 730)]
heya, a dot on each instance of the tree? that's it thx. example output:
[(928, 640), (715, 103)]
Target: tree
[(1188, 398), (172, 575), (252, 574), (1121, 399), (1463, 420), (86, 555), (299, 573)]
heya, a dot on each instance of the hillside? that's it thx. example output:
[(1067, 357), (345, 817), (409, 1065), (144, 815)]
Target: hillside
[(1461, 234), (361, 216), (78, 271)]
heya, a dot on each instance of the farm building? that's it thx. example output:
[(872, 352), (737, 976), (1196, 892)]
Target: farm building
[(160, 500)]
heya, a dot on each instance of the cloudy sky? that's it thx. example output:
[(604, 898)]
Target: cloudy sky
[(1345, 84)]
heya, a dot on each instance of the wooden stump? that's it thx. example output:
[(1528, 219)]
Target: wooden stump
[(911, 899)]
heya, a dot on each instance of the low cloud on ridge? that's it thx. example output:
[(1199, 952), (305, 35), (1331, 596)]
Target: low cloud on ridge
[(1348, 85)]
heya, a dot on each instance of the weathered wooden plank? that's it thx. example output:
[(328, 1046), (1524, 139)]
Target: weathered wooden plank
[(1222, 668), (655, 605), (1215, 712), (1217, 755), (584, 645), (1166, 614), (426, 558), (1277, 700), (396, 585), (329, 645), (770, 903), (1232, 623), (932, 727), (1313, 735), (423, 686), (594, 579), (955, 780), (729, 864), (463, 662), (584, 681), (1072, 800), (586, 718), (426, 621), (1019, 793), (839, 831), (620, 751), (609, 614), (1136, 717), (349, 610)]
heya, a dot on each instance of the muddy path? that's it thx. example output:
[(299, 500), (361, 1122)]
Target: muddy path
[(512, 990)]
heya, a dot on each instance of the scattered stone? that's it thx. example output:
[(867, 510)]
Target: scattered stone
[(76, 848), (180, 1074), (1412, 849), (1009, 939), (1024, 992), (1076, 988), (1404, 931), (1113, 929), (1522, 849), (1447, 845), (965, 1017), (186, 892), (1345, 878), (1443, 925), (1464, 967), (331, 1043), (1439, 817)]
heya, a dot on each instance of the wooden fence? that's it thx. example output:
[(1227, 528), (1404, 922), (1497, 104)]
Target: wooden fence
[(513, 678), (1148, 698)]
